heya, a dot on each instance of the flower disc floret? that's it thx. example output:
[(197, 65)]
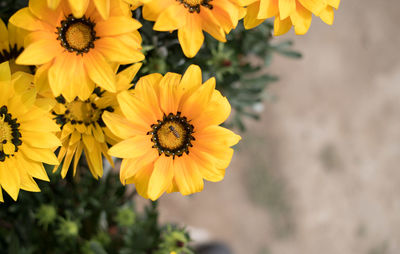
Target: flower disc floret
[(77, 35)]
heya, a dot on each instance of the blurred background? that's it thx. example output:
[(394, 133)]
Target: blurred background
[(319, 173)]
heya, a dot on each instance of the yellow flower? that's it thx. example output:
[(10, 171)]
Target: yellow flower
[(191, 17), (27, 136), (75, 53), (171, 138), (82, 128), (11, 46), (288, 13)]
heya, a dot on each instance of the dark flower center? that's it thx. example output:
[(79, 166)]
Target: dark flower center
[(82, 112), (194, 5), (9, 134), (173, 135), (77, 35)]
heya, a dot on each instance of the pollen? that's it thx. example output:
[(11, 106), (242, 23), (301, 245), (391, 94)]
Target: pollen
[(171, 135), (5, 134), (78, 36)]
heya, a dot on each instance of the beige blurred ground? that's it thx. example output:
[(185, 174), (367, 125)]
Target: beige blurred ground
[(321, 172)]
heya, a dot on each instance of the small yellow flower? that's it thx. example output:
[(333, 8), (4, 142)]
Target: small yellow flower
[(27, 136), (191, 17), (11, 46), (75, 53), (171, 134), (82, 127), (288, 13)]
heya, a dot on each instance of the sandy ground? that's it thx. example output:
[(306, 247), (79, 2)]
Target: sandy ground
[(320, 172)]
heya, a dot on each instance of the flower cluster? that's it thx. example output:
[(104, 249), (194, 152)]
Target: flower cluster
[(66, 89)]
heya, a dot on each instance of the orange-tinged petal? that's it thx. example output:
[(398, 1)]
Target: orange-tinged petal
[(119, 125), (286, 7), (116, 51), (161, 177), (174, 17), (135, 111), (187, 176), (53, 4), (211, 25), (39, 154), (116, 26), (301, 19), (9, 180), (132, 147), (39, 52), (47, 140), (168, 96), (78, 7), (282, 26), (198, 101), (327, 15), (26, 20), (103, 7), (191, 36), (100, 71)]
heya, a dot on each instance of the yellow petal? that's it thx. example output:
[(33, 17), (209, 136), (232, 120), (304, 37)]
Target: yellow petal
[(39, 154), (100, 71), (187, 175), (174, 17), (161, 177), (132, 147), (191, 36), (78, 7), (119, 125), (198, 101), (116, 26), (9, 180), (117, 51), (282, 26), (103, 7), (39, 52), (286, 7)]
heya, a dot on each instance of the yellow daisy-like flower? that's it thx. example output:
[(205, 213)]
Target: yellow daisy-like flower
[(191, 17), (76, 53), (288, 13), (27, 136), (79, 7), (11, 46), (82, 127), (171, 134)]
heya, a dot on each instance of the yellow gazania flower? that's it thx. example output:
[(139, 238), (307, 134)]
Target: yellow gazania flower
[(171, 138), (76, 53), (26, 134), (288, 13), (191, 17), (11, 46), (82, 128)]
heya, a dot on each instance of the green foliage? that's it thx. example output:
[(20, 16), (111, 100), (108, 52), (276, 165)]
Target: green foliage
[(84, 215)]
